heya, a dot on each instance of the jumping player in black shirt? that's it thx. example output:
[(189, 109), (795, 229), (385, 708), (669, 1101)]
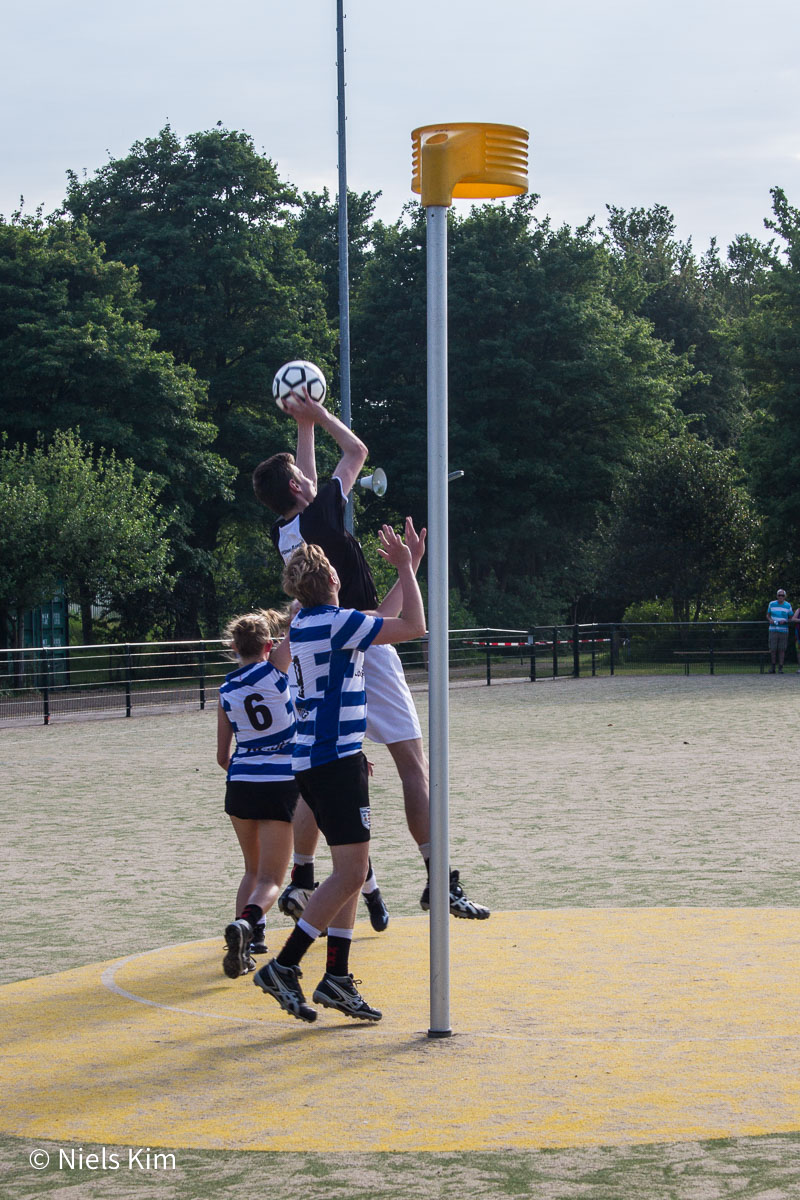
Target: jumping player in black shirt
[(288, 486)]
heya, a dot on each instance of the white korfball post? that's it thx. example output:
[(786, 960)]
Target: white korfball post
[(438, 623), (469, 161)]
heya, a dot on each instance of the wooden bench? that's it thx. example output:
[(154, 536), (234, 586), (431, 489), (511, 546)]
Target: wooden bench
[(710, 655)]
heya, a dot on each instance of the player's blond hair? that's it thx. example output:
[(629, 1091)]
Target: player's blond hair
[(307, 576), (248, 634)]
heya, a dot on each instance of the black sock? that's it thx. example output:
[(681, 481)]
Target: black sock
[(338, 959), (428, 869), (252, 914), (303, 875), (297, 943)]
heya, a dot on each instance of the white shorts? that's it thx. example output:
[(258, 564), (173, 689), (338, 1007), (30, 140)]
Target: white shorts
[(391, 715)]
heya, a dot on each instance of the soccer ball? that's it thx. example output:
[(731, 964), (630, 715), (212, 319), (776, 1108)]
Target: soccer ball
[(292, 377)]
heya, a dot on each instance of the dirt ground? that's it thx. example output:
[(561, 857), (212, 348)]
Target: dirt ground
[(590, 793)]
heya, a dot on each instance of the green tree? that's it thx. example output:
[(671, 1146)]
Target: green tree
[(655, 275), (768, 336), (206, 222), (682, 527), (551, 388), (75, 351), (27, 574), (317, 232), (85, 519), (740, 279), (246, 569)]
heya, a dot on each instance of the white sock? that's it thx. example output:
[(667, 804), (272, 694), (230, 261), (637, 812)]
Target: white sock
[(370, 883)]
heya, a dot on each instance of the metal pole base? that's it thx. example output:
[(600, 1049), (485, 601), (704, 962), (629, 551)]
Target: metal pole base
[(440, 1033)]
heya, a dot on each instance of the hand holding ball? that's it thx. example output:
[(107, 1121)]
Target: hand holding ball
[(296, 380)]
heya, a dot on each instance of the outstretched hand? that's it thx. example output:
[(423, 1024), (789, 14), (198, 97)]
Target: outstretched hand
[(300, 406), (393, 548), (415, 542)]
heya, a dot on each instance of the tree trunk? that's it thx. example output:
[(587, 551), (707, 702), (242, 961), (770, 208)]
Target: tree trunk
[(680, 609), (186, 606), (211, 607), (87, 623)]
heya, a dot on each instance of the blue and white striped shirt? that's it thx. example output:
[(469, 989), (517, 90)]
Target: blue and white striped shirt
[(328, 645), (780, 611), (258, 705)]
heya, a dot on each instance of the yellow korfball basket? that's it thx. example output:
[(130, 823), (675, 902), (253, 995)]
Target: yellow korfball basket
[(468, 161)]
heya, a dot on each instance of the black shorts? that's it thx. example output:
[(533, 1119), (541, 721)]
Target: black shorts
[(261, 801), (338, 795)]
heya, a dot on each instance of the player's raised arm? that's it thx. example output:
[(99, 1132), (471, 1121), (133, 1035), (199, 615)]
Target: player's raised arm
[(392, 603), (411, 624), (281, 654), (306, 456), (308, 414)]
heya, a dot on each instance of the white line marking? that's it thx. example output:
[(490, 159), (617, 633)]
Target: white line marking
[(108, 981)]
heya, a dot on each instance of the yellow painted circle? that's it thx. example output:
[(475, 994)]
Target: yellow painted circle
[(572, 1027)]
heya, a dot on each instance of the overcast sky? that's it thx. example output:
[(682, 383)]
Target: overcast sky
[(694, 104)]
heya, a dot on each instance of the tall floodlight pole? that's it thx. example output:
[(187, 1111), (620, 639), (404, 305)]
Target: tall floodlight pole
[(344, 267), (459, 161)]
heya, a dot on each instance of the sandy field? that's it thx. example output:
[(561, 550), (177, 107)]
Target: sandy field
[(570, 794)]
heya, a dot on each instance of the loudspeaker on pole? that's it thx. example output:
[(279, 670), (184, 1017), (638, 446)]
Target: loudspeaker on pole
[(376, 482)]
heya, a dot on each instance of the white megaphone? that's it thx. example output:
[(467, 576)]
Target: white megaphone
[(376, 482)]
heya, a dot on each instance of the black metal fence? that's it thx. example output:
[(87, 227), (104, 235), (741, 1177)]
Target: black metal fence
[(664, 648), (45, 683)]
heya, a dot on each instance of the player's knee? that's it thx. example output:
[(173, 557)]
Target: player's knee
[(350, 875), (415, 779), (269, 879)]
